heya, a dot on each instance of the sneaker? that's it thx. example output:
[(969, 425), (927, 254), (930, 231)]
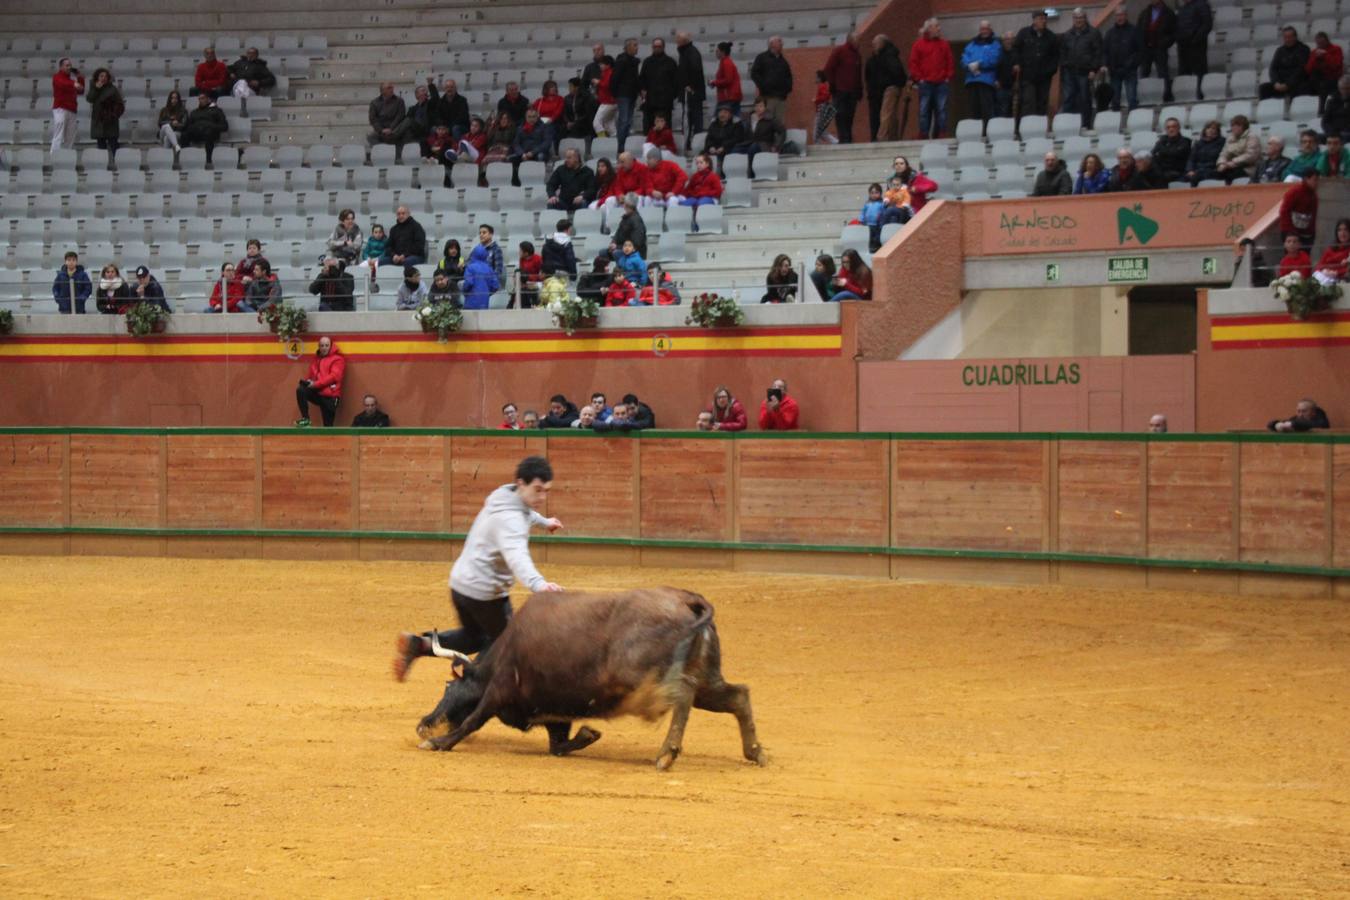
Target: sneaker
[(302, 423), (407, 647), (831, 139), (374, 287)]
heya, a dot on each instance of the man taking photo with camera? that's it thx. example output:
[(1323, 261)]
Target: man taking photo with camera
[(779, 411)]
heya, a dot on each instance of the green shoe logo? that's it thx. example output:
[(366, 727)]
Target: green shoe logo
[(1133, 221)]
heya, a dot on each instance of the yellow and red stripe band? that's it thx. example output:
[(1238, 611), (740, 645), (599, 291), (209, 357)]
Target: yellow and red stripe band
[(802, 341), (1253, 332)]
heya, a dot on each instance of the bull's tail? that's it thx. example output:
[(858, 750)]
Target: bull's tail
[(699, 632)]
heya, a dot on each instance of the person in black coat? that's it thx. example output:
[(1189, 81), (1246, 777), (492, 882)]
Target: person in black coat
[(1172, 151), (1204, 162), (772, 76), (407, 243), (1336, 116), (1123, 49), (659, 81), (724, 135), (1035, 63), (561, 413), (625, 83), (882, 71), (579, 107), (334, 287), (370, 416), (1158, 29), (253, 71), (693, 87), (452, 110), (1288, 68), (205, 125), (1307, 416), (558, 254), (1195, 21)]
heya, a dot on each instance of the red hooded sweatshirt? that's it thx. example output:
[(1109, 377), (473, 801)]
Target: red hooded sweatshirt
[(667, 177), (703, 184), (638, 180), (211, 76), (325, 373), (930, 59)]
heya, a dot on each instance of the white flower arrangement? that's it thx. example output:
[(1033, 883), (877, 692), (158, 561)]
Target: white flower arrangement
[(442, 318), (1302, 296)]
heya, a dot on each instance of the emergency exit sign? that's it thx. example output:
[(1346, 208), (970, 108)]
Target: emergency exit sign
[(1127, 268)]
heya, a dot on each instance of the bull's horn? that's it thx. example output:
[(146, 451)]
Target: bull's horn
[(446, 652)]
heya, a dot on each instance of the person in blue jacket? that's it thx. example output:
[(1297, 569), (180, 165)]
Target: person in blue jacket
[(631, 263), (980, 59), (71, 273), (871, 215), (479, 280)]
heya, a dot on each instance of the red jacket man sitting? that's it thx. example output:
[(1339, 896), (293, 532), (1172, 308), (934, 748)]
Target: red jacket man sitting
[(778, 412), (324, 384)]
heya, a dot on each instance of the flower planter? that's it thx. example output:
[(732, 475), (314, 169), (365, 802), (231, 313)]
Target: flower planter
[(588, 322), (158, 327), (274, 326), (725, 322)]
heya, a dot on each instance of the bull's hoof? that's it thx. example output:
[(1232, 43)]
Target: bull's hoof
[(436, 743), (666, 760), (429, 727), (584, 737), (758, 756)]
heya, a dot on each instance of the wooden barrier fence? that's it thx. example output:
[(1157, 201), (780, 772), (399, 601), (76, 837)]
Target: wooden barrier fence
[(1259, 513)]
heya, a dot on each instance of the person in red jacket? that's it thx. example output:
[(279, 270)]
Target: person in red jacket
[(843, 72), (727, 412), (67, 86), (727, 80), (549, 106), (1336, 258), (666, 177), (1325, 66), (233, 290), (621, 292), (703, 188), (531, 269), (510, 418), (931, 66), (323, 385), (1298, 209), (631, 177), (213, 76), (779, 411), (659, 137)]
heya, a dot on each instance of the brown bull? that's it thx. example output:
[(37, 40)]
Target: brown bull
[(571, 656)]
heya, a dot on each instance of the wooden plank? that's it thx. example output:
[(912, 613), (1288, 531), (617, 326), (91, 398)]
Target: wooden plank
[(210, 480), (780, 562), (32, 489), (307, 482), (479, 466), (402, 483), (685, 489), (594, 486), (115, 480), (969, 495), (1190, 501), (814, 492), (1340, 506), (971, 571), (1283, 503), (1101, 491)]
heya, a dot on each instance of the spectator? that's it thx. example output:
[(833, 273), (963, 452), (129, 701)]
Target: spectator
[(822, 276), (245, 272), (579, 108), (529, 420), (480, 280), (323, 385), (772, 76), (442, 289), (561, 413), (727, 80), (501, 137), (1335, 161), (629, 261), (1296, 259), (585, 418), (72, 283), (529, 273), (147, 289), (172, 120), (766, 135), (607, 107), (897, 204), (1205, 152), (601, 407), (885, 79), (724, 135), (693, 92), (727, 412), (452, 260), (640, 415), (591, 73), (1172, 150), (1195, 21), (593, 284), (513, 102), (374, 252), (781, 282), (660, 289), (870, 215), (854, 280), (621, 292), (550, 106), (226, 284), (106, 108), (625, 84), (510, 419), (471, 146), (659, 83), (113, 294), (571, 185), (1092, 176), (981, 59), (1333, 264), (778, 411), (931, 66), (452, 109), (1082, 56), (824, 111), (1146, 176), (534, 141), (1288, 68), (918, 184), (659, 138), (1336, 113), (253, 72), (212, 77), (1035, 62), (1005, 80), (1298, 209), (703, 188), (1158, 29), (335, 287), (704, 421), (346, 241), (1122, 175), (559, 255), (423, 115), (1326, 65), (487, 239), (407, 244), (263, 288), (67, 86), (1157, 423), (1274, 164), (1053, 180), (1307, 416), (1309, 157), (1241, 152), (388, 117), (370, 416), (665, 176), (1123, 51), (205, 126), (843, 70), (630, 228)]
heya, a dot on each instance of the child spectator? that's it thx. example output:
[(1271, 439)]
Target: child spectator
[(226, 284), (871, 215), (441, 290), (703, 188), (620, 292), (72, 282), (607, 109), (659, 138), (480, 280), (452, 260), (781, 282), (471, 145), (824, 109), (530, 268), (558, 255), (822, 275), (918, 184), (412, 293), (488, 241), (374, 249), (631, 263), (594, 284), (243, 272), (1296, 259), (896, 206), (1298, 209), (660, 288), (553, 288), (440, 147), (854, 281), (727, 80)]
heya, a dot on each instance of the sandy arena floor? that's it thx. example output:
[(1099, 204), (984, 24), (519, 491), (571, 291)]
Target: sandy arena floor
[(184, 728)]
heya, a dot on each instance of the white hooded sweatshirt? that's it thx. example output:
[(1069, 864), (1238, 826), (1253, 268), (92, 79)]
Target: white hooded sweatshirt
[(497, 549)]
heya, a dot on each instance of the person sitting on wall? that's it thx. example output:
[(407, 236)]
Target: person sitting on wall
[(323, 385), (371, 416), (778, 411), (1307, 416), (1157, 424)]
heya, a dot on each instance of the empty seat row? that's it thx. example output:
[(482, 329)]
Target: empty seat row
[(21, 45)]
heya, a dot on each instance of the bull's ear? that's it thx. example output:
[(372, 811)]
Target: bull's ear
[(457, 668)]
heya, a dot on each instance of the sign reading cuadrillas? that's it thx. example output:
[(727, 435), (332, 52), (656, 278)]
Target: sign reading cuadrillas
[(1028, 374)]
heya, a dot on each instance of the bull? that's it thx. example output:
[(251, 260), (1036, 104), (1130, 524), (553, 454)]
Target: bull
[(570, 656)]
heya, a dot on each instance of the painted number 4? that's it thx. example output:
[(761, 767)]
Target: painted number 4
[(293, 349), (661, 344)]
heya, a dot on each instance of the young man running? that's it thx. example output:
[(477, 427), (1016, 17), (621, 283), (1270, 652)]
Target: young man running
[(496, 553)]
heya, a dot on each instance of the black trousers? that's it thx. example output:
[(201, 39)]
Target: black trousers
[(874, 114), (845, 102), (982, 101), (1035, 98), (306, 394), (1156, 58), (481, 622)]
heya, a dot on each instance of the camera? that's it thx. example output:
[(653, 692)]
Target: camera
[(775, 394)]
